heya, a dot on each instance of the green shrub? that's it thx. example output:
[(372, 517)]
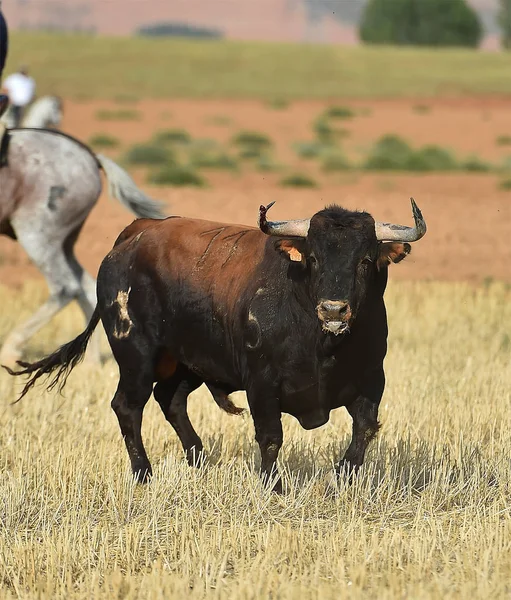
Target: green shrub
[(278, 103), (298, 180), (250, 152), (504, 140), (505, 184), (126, 99), (102, 140), (148, 154), (323, 130), (118, 115), (475, 165), (220, 120), (172, 136), (207, 159), (176, 176), (421, 108), (252, 138), (339, 112), (431, 158), (312, 149), (389, 153), (266, 163), (334, 160)]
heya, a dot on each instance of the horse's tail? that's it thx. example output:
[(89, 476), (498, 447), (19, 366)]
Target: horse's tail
[(124, 189), (63, 360)]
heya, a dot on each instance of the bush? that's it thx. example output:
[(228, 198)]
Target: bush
[(420, 22), (278, 103), (421, 109), (266, 164), (334, 160), (431, 158), (118, 115), (252, 139), (176, 176), (298, 180), (505, 184), (323, 130), (102, 140), (148, 154), (389, 153), (474, 164), (207, 159), (504, 140), (172, 136), (179, 30), (312, 149), (250, 152), (339, 112)]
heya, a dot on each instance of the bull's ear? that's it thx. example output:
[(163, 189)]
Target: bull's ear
[(292, 249), (392, 252)]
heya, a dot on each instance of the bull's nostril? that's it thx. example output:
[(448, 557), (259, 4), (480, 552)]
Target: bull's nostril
[(335, 308)]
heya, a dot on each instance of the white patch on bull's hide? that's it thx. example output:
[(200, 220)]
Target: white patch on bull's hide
[(260, 291), (124, 324), (251, 316), (295, 255)]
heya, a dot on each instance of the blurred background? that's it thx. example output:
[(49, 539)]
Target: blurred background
[(217, 106)]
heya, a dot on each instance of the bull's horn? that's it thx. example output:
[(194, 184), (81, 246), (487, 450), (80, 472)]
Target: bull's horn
[(400, 233), (297, 228)]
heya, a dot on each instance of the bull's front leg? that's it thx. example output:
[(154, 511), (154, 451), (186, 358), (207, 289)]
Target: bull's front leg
[(364, 412), (265, 410)]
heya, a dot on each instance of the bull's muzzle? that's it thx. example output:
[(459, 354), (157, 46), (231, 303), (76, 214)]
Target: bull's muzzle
[(335, 316)]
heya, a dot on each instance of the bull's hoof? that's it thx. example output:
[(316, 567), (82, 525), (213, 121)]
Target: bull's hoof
[(142, 475), (196, 457), (346, 471)]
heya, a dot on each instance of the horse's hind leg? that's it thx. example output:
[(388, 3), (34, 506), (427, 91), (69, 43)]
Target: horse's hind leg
[(49, 258), (86, 295)]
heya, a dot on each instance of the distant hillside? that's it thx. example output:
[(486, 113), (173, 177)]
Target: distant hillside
[(329, 21)]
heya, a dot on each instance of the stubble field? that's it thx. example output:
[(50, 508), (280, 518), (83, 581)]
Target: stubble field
[(427, 518)]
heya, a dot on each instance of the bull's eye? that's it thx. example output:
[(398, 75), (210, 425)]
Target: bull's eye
[(312, 259), (366, 261)]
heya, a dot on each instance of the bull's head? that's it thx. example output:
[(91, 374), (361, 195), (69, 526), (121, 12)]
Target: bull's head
[(342, 252)]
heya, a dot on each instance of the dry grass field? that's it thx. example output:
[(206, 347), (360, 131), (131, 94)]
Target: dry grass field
[(429, 516)]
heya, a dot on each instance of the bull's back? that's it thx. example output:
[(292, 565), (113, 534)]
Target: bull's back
[(192, 280)]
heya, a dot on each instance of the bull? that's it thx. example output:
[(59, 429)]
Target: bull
[(292, 312)]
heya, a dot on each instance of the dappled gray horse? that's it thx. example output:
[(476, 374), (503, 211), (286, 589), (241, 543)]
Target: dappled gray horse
[(47, 189)]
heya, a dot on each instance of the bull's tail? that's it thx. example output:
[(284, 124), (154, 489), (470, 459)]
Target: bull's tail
[(60, 363), (228, 405), (221, 397), (124, 189)]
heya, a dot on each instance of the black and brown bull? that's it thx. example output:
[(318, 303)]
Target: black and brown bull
[(292, 312)]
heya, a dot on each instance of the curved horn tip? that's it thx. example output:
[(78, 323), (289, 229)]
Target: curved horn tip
[(420, 223)]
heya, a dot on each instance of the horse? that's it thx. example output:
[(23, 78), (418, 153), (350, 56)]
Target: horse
[(49, 184), (43, 113)]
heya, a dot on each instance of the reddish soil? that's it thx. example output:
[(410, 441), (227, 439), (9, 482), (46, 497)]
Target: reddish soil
[(469, 217)]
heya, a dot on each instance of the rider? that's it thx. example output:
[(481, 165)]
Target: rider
[(3, 55)]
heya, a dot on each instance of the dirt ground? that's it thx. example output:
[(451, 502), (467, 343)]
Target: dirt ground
[(468, 215)]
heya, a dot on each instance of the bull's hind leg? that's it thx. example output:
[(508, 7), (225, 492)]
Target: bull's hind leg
[(364, 412), (172, 396), (133, 392)]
